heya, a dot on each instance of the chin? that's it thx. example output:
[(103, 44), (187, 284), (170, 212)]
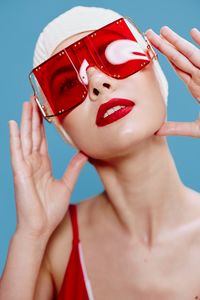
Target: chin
[(125, 145), (124, 140)]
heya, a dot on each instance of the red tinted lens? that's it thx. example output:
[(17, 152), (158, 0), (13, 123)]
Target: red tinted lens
[(117, 51), (60, 83)]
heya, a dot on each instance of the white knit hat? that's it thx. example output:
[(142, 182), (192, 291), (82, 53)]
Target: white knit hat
[(73, 21)]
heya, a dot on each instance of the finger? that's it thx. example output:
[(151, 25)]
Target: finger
[(185, 47), (71, 174), (15, 146), (43, 146), (43, 143), (180, 128), (195, 33), (188, 81), (36, 128), (26, 128), (33, 100), (172, 54), (184, 76)]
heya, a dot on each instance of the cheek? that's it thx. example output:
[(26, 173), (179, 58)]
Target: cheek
[(153, 108), (77, 124), (150, 109), (149, 89)]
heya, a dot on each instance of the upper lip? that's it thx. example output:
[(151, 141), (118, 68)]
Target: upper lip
[(111, 103)]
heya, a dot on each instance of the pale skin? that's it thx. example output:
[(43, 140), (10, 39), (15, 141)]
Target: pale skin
[(146, 223)]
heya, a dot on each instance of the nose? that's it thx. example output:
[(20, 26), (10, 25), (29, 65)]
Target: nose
[(99, 83)]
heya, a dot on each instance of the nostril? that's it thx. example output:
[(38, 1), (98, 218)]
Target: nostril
[(88, 66), (95, 91), (107, 85)]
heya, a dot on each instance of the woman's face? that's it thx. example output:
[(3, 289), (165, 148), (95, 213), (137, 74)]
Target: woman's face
[(120, 136)]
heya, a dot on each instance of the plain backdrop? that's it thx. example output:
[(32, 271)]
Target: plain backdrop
[(20, 24)]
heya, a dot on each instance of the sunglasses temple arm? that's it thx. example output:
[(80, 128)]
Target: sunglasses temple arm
[(149, 46), (41, 107)]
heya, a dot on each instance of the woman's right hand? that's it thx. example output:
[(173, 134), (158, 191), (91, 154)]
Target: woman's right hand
[(41, 200)]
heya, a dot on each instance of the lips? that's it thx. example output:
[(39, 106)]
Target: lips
[(101, 121)]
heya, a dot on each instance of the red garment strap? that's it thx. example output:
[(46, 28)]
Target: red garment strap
[(73, 214)]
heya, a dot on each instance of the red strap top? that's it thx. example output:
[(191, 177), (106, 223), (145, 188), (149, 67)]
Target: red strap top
[(73, 286)]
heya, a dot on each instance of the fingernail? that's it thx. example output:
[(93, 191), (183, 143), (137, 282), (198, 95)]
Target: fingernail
[(82, 152), (165, 27), (194, 28), (149, 31), (32, 99), (10, 122)]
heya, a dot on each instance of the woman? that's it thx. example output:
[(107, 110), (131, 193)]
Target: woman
[(140, 236)]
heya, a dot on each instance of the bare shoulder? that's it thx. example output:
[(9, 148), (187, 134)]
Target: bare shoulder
[(60, 243)]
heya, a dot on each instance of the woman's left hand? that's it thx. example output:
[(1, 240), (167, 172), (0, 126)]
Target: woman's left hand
[(185, 59)]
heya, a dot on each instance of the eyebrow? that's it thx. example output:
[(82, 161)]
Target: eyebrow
[(59, 71)]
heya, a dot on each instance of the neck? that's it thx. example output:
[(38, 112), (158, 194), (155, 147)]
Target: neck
[(143, 189)]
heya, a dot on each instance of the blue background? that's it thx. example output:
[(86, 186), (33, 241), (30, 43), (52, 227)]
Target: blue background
[(20, 24)]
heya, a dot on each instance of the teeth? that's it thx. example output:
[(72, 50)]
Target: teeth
[(112, 110)]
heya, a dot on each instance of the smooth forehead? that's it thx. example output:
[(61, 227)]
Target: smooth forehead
[(70, 40)]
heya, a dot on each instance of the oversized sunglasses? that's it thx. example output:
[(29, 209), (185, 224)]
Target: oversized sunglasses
[(118, 49)]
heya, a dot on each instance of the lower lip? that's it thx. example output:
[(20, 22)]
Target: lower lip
[(115, 116)]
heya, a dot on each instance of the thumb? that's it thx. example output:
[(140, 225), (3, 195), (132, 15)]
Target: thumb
[(191, 129), (73, 170)]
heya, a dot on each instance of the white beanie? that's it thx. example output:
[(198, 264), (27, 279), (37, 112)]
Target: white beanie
[(73, 21), (76, 20)]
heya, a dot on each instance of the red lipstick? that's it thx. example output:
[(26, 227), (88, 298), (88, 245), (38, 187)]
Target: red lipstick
[(102, 121)]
